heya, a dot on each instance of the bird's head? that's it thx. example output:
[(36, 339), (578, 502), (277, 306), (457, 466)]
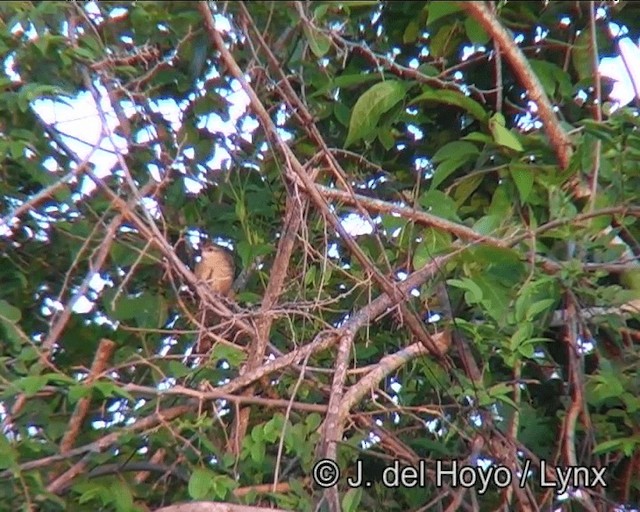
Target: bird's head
[(211, 250)]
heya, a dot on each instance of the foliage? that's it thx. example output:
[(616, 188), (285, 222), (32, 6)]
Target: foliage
[(516, 226)]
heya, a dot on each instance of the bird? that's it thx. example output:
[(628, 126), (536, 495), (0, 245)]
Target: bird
[(216, 269)]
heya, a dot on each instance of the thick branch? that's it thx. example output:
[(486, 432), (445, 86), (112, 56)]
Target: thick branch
[(299, 174), (386, 366), (327, 339), (558, 138), (105, 350)]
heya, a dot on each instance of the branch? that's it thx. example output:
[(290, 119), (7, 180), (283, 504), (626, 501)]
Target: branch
[(293, 221), (460, 230), (332, 428), (104, 442), (386, 366), (558, 138), (299, 174), (100, 360), (216, 394), (327, 339)]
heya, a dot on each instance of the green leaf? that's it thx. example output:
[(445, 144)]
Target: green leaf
[(631, 402), (89, 491), (581, 55), (386, 137), (411, 32), (257, 433), (320, 12), (32, 384), (433, 242), (538, 307), (12, 334), (454, 98), (501, 135), (488, 224), (110, 389), (370, 106), (440, 204), (273, 428), (474, 292), (501, 203), (478, 137), (312, 422), (319, 42), (233, 355), (310, 276), (522, 176), (9, 313), (148, 309), (522, 334), (452, 156), (527, 348), (8, 455), (75, 393), (200, 483), (455, 149), (630, 279), (501, 392), (447, 168), (351, 500), (607, 384), (498, 256), (437, 10), (356, 3), (33, 91), (342, 113), (348, 81), (122, 497), (628, 445), (257, 452), (552, 77), (428, 69), (445, 41), (221, 485), (495, 297), (475, 32), (466, 187), (17, 147), (84, 53), (178, 369), (545, 75), (391, 223)]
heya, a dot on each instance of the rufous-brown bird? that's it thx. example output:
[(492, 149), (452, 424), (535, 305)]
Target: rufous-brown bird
[(216, 269)]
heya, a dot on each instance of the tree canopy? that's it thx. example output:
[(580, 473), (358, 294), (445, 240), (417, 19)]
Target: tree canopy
[(433, 212)]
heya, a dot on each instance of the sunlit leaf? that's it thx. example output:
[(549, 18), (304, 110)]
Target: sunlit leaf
[(200, 483), (453, 98), (370, 106), (502, 135)]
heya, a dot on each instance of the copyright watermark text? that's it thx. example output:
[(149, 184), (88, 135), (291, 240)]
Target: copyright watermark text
[(326, 473)]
